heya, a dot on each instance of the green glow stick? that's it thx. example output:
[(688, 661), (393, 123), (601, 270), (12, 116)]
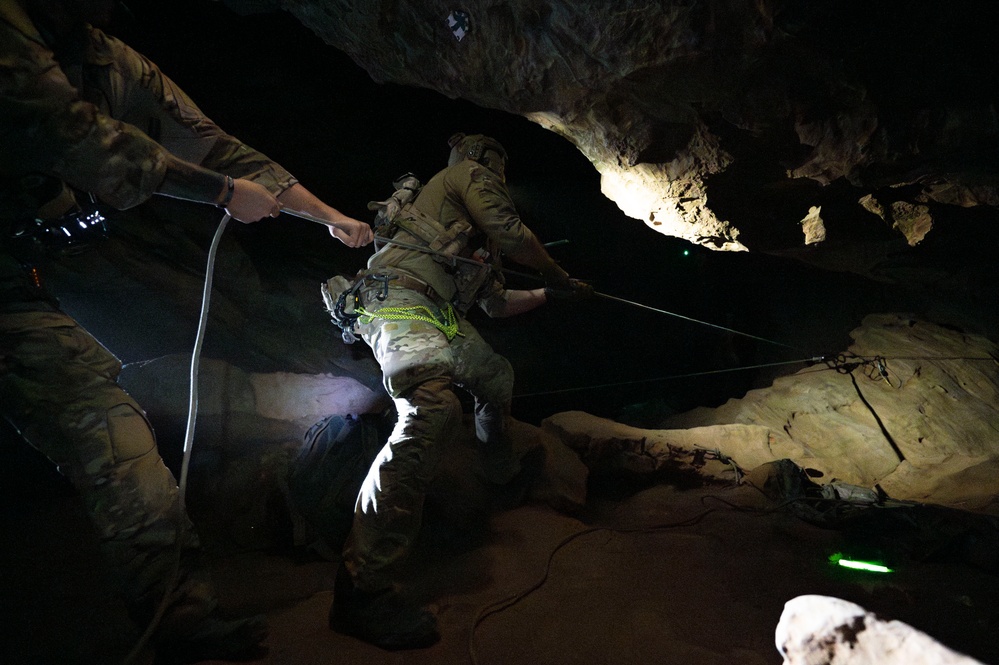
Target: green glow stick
[(859, 565), (864, 565)]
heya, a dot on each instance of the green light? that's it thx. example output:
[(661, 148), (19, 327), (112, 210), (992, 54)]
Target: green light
[(686, 252), (864, 565), (869, 566)]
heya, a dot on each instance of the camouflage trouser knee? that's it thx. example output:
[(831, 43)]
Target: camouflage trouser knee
[(417, 364), (58, 388), (488, 377)]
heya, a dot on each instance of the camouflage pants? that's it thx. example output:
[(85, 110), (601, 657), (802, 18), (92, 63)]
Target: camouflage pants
[(419, 367), (58, 388)]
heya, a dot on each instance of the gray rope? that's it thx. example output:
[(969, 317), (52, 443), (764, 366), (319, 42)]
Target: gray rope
[(192, 414), (687, 318), (673, 376)]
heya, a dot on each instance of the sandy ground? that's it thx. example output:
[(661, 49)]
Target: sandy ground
[(653, 575)]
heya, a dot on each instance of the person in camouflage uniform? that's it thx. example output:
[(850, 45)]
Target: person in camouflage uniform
[(80, 107), (411, 301)]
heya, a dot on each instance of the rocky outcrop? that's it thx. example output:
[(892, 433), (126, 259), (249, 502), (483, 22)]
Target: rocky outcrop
[(911, 408), (725, 123), (820, 630), (250, 431)]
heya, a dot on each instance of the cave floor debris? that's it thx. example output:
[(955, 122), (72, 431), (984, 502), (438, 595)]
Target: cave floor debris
[(679, 576)]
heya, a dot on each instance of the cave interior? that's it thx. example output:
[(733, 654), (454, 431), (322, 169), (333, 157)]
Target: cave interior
[(707, 592)]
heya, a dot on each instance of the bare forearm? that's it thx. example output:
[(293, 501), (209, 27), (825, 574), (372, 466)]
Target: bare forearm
[(520, 301), (347, 230), (298, 197)]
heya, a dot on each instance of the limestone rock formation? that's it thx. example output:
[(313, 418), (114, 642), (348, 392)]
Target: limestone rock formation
[(911, 408), (722, 122), (820, 630)]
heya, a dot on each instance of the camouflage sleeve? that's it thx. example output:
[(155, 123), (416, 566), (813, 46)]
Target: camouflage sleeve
[(143, 95), (46, 127), (488, 201)]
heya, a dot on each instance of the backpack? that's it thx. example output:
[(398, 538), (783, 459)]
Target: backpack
[(326, 476)]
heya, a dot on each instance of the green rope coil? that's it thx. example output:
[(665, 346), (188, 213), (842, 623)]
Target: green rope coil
[(447, 322)]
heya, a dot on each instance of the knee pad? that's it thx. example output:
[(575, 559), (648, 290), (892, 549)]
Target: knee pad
[(129, 433)]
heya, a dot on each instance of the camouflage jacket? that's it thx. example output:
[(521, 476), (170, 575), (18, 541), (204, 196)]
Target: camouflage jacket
[(470, 195), (104, 119)]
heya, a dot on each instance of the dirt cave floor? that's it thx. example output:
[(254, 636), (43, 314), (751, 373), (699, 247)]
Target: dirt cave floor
[(651, 574)]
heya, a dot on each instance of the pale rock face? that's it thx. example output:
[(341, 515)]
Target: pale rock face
[(920, 423), (821, 630)]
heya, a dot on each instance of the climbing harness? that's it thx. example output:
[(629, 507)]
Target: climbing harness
[(446, 320), (347, 309)]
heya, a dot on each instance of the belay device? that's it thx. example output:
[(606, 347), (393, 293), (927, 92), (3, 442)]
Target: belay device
[(337, 291)]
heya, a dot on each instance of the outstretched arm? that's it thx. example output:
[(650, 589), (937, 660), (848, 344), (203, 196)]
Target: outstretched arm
[(349, 231), (519, 301)]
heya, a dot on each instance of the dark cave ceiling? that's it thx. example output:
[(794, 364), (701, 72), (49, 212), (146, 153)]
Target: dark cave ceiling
[(850, 137), (723, 122)]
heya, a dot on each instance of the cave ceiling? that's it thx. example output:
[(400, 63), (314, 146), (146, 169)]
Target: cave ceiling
[(774, 126)]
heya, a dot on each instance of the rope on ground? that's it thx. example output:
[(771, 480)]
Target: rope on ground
[(508, 602)]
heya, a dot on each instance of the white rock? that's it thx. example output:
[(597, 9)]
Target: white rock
[(820, 630)]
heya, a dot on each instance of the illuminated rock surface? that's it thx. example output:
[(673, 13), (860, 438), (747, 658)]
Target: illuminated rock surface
[(689, 109), (817, 630), (923, 430)]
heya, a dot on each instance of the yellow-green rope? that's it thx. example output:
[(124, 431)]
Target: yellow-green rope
[(447, 323)]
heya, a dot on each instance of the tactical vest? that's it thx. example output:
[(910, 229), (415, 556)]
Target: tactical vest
[(444, 244)]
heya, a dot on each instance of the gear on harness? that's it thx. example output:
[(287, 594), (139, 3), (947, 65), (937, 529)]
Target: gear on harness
[(445, 319), (343, 302), (407, 186)]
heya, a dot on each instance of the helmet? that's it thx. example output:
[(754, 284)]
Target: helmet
[(480, 148)]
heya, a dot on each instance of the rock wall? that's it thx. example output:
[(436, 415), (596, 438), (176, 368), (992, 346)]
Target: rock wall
[(820, 630), (724, 122), (911, 407)]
